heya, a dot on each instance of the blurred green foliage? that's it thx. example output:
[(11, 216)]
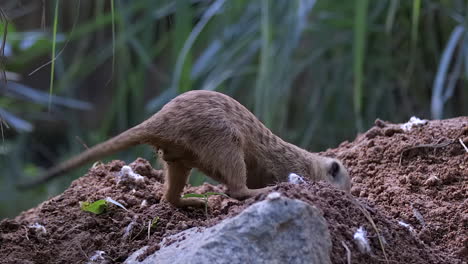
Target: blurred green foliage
[(315, 72)]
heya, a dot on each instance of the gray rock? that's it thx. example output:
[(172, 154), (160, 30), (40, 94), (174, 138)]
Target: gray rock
[(277, 230)]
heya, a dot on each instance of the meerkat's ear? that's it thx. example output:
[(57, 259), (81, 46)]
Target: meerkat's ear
[(334, 169)]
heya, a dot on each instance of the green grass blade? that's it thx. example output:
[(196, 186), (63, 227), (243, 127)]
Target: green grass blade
[(52, 65), (216, 193), (465, 54), (193, 195), (437, 100), (207, 16), (3, 20), (113, 43), (75, 22), (183, 26), (415, 21), (390, 19), (263, 97), (360, 31)]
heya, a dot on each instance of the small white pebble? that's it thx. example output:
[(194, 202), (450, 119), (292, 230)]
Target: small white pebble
[(295, 179), (144, 203), (407, 226), (273, 196), (360, 237), (432, 180), (98, 255), (38, 227), (414, 121)]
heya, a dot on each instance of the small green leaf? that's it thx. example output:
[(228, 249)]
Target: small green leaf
[(154, 222), (188, 195), (216, 193), (97, 207)]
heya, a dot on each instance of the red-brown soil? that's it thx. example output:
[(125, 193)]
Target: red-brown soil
[(419, 177), (427, 189)]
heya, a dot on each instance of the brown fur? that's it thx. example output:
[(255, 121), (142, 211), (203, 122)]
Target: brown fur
[(216, 134)]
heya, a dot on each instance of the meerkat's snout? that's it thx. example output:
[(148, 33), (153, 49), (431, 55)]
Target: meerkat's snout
[(338, 175)]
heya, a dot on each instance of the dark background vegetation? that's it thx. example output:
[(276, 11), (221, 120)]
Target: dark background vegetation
[(315, 72)]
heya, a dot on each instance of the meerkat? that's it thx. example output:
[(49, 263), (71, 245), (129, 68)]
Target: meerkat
[(214, 133)]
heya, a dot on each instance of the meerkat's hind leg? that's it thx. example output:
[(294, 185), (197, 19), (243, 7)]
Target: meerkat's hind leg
[(176, 177)]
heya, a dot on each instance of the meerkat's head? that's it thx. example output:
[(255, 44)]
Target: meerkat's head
[(336, 174)]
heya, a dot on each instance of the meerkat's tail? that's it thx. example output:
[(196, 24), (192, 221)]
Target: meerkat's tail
[(132, 137)]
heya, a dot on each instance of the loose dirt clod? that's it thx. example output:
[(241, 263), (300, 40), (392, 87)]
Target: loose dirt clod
[(387, 192)]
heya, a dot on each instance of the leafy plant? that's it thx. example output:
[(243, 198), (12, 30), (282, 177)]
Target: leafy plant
[(99, 206), (154, 222)]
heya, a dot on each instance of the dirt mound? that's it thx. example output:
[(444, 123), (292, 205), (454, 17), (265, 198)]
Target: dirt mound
[(428, 191), (419, 177)]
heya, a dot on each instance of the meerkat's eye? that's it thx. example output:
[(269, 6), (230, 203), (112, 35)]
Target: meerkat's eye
[(334, 169)]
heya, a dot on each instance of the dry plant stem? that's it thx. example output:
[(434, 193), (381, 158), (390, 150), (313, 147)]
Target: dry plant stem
[(26, 229), (348, 252), (393, 261), (440, 145), (206, 207), (149, 229), (463, 144), (141, 230), (418, 215), (371, 221), (75, 22), (70, 230), (82, 251)]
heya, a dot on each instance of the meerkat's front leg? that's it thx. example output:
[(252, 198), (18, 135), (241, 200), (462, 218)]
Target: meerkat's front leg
[(234, 176)]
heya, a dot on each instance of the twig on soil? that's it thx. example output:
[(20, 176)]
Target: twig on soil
[(374, 226), (436, 145), (418, 215), (348, 252), (441, 145), (141, 230), (463, 144), (27, 230), (82, 251), (70, 230), (149, 229), (394, 261)]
